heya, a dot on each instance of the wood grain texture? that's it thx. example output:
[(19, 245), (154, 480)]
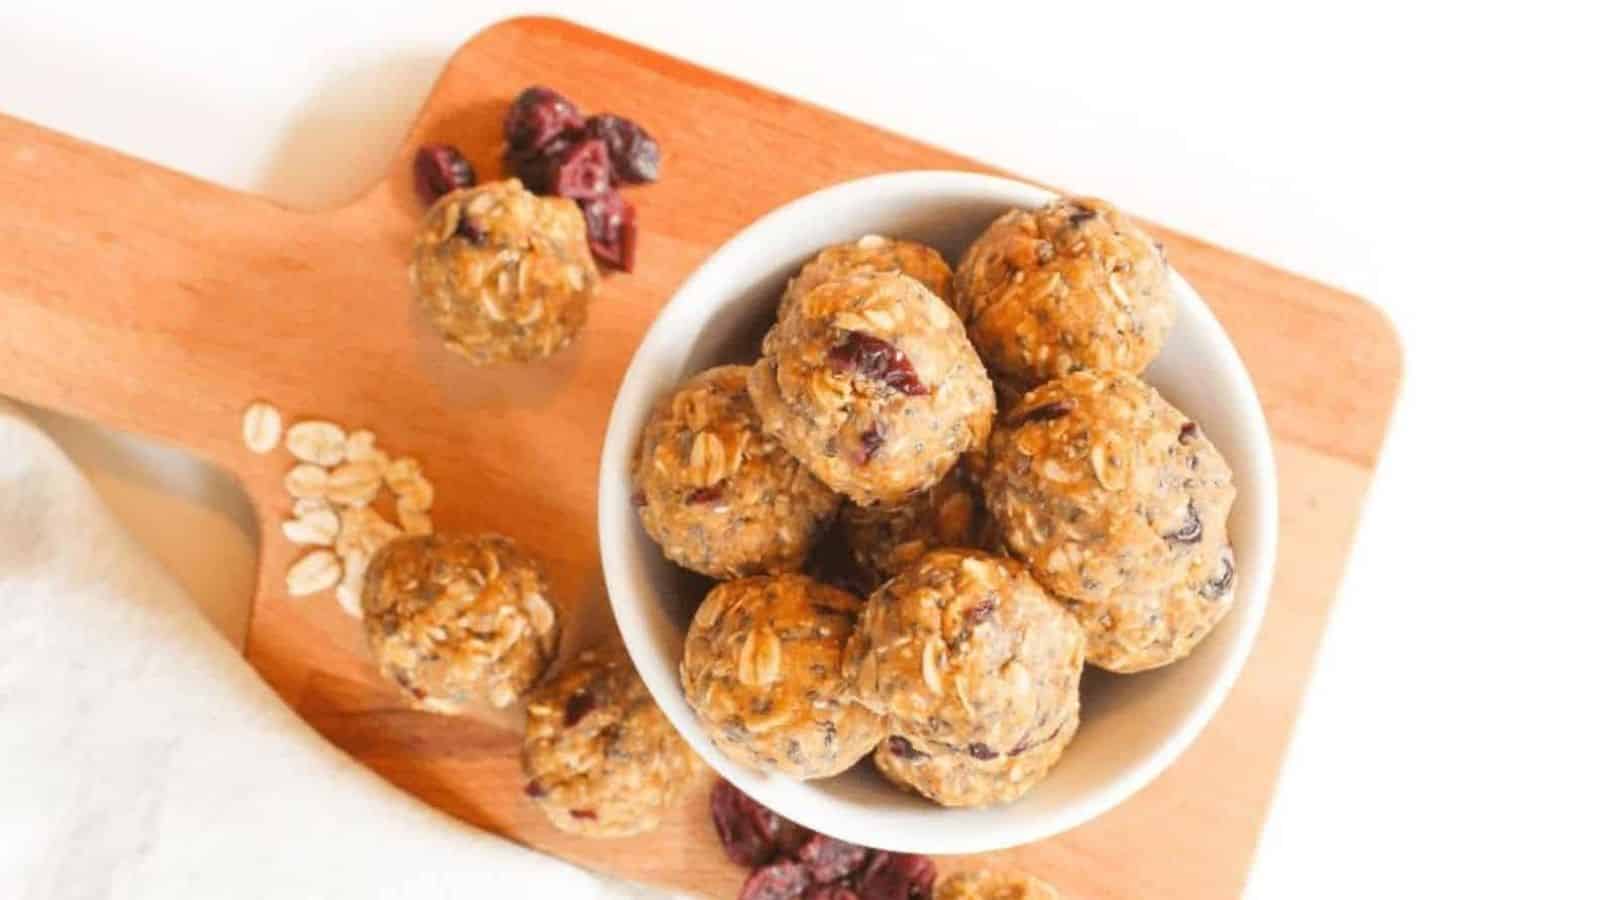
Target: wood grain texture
[(152, 302)]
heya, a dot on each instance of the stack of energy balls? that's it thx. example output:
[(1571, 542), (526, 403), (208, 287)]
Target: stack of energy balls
[(991, 552)]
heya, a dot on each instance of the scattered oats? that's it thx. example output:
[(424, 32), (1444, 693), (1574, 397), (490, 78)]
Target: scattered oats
[(318, 528), (412, 519), (316, 571), (316, 442), (304, 506), (401, 470), (416, 492), (306, 481), (263, 426), (354, 483), (361, 445)]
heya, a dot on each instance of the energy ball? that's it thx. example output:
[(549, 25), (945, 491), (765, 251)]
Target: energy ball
[(502, 274), (870, 382), (872, 254), (964, 651), (601, 758), (1072, 285), (457, 618), (761, 670), (884, 539), (721, 497), (1119, 506), (954, 776), (987, 884)]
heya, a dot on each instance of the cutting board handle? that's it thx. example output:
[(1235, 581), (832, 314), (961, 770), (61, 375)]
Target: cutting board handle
[(97, 249)]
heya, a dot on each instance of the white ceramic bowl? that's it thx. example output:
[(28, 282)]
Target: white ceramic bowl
[(1133, 726)]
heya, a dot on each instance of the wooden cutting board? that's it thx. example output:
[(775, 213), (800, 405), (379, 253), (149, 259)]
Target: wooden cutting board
[(148, 301)]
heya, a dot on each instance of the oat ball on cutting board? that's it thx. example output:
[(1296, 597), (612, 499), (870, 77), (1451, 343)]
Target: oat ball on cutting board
[(869, 381), (761, 669), (601, 758), (885, 538), (991, 884), (957, 777), (454, 619), (719, 495), (1119, 506), (1072, 285), (964, 650), (870, 254), (504, 275)]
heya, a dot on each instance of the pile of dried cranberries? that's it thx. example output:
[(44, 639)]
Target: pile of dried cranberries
[(554, 149), (789, 862)]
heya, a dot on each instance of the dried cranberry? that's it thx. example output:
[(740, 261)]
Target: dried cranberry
[(635, 155), (534, 789), (980, 611), (1191, 529), (830, 859), (579, 170), (613, 234), (1025, 745), (472, 231), (871, 442), (440, 169), (831, 892), (1223, 582), (639, 499), (705, 495), (897, 876), (980, 750), (877, 359), (902, 748), (537, 116), (748, 831), (780, 881), (579, 705), (1187, 432), (1044, 412), (583, 814)]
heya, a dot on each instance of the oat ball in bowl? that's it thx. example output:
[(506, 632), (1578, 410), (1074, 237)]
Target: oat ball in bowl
[(503, 275), (719, 495), (458, 619), (959, 777), (600, 758), (1072, 284), (870, 382), (870, 254), (1119, 505), (964, 651), (1132, 727), (761, 669)]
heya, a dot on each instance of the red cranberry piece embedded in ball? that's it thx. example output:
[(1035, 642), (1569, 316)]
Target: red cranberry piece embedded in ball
[(579, 705), (876, 359), (439, 169), (635, 155), (613, 233), (537, 116)]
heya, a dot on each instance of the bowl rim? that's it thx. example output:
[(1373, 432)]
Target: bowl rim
[(614, 508)]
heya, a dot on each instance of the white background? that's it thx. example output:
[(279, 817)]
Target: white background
[(1437, 159)]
